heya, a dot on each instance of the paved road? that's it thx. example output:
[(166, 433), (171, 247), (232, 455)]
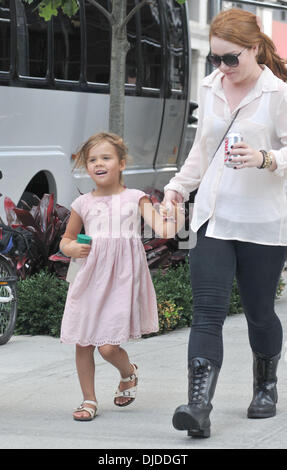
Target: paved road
[(39, 390)]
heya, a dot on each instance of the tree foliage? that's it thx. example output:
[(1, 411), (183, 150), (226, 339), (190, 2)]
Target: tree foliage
[(49, 8)]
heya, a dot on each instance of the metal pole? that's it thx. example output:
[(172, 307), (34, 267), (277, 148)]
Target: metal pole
[(215, 7)]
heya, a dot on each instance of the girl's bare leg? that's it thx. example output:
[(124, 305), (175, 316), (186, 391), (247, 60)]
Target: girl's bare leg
[(119, 358), (86, 372)]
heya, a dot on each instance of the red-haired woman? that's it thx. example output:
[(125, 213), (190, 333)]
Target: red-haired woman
[(240, 212)]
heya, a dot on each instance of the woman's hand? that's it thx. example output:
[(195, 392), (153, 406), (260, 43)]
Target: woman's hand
[(248, 157), (164, 226), (167, 205)]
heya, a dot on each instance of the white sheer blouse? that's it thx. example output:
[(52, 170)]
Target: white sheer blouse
[(248, 204)]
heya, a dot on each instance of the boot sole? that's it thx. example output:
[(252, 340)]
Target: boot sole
[(200, 433), (256, 415), (182, 421)]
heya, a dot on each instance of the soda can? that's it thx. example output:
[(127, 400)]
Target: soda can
[(231, 139)]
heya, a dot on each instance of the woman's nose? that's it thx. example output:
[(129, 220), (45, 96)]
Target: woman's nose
[(223, 68)]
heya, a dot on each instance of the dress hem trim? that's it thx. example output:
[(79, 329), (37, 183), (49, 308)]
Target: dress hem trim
[(105, 341)]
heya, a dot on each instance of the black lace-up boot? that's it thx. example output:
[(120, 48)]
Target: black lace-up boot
[(194, 417), (263, 404)]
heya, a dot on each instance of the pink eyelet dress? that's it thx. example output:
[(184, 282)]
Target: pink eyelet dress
[(112, 297)]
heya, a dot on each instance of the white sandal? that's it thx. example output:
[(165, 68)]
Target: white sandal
[(92, 412), (129, 392)]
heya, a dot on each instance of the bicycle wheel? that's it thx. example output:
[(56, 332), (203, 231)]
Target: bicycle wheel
[(8, 300)]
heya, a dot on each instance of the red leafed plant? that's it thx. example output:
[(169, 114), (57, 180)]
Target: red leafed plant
[(46, 222)]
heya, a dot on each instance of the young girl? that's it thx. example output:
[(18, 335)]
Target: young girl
[(112, 297)]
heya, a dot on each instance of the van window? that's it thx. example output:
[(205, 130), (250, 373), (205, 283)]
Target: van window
[(98, 44), (32, 41), (175, 39), (67, 46), (5, 36), (151, 46)]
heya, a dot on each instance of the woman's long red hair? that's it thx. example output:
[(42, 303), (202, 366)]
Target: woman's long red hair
[(241, 27)]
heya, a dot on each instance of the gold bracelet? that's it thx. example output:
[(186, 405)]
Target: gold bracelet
[(268, 160), (263, 153)]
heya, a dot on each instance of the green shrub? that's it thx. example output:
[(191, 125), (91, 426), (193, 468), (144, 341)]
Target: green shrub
[(280, 287), (168, 316), (41, 301), (173, 285), (235, 302)]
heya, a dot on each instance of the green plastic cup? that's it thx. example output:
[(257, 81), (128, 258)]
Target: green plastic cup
[(85, 239)]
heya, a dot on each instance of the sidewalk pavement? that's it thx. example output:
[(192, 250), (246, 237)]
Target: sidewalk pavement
[(39, 390)]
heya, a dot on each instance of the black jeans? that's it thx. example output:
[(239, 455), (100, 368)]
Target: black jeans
[(214, 264)]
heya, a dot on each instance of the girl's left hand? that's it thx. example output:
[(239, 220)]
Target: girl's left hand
[(248, 157)]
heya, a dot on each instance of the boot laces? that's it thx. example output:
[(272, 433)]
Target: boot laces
[(199, 378)]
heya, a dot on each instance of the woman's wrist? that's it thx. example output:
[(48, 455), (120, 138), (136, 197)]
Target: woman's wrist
[(268, 161), (273, 165)]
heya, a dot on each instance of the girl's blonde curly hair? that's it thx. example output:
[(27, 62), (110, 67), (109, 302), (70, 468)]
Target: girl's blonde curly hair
[(114, 139)]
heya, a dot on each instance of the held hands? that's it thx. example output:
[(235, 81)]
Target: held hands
[(172, 212), (170, 202), (248, 157), (74, 249), (165, 221)]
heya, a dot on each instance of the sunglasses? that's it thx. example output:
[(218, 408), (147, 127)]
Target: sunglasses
[(231, 60)]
